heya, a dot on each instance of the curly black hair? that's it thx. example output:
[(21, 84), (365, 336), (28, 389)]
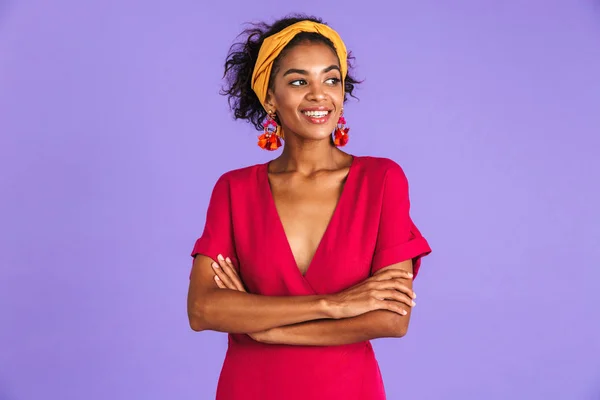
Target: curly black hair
[(243, 55)]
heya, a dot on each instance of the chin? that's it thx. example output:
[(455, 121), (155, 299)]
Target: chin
[(316, 132), (321, 135)]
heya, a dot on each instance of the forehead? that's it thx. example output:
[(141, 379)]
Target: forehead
[(308, 54)]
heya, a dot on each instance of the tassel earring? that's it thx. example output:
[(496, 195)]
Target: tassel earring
[(270, 139), (340, 136)]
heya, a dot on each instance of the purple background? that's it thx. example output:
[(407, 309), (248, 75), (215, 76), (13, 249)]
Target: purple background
[(112, 134)]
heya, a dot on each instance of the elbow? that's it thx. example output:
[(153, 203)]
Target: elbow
[(196, 317), (400, 331), (398, 325), (196, 324)]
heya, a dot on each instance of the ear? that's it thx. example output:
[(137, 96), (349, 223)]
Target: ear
[(270, 103)]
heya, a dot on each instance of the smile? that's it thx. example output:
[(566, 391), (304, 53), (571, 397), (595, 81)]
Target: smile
[(317, 117), (316, 114)]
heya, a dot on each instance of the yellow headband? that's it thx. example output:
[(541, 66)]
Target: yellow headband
[(273, 45)]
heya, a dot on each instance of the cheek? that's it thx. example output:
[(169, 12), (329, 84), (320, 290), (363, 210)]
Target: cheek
[(337, 97), (286, 97), (288, 106)]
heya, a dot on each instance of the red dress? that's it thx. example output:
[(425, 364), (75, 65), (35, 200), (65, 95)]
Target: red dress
[(370, 229)]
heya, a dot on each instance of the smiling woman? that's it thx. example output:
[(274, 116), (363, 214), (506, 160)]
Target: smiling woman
[(289, 91), (302, 286), (251, 84)]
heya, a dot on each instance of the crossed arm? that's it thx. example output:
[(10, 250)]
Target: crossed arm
[(297, 320), (332, 332)]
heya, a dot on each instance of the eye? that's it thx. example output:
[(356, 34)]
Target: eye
[(298, 82), (333, 81)]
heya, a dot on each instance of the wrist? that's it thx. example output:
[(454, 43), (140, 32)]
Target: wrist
[(269, 336), (329, 307)]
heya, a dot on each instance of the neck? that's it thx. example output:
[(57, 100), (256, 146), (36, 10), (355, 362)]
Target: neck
[(309, 156)]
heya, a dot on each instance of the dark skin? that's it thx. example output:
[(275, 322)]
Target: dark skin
[(306, 183)]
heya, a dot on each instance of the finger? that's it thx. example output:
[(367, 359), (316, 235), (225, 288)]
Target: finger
[(237, 276), (227, 267), (395, 284), (393, 273), (219, 283), (394, 295), (392, 306), (403, 288), (223, 276)]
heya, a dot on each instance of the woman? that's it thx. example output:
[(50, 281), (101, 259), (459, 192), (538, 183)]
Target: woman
[(306, 258)]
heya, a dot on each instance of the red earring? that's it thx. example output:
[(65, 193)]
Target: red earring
[(340, 137), (269, 140)]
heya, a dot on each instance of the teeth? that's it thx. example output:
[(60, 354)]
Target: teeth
[(316, 114)]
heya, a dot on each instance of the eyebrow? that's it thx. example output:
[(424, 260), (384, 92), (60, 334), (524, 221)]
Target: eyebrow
[(304, 72)]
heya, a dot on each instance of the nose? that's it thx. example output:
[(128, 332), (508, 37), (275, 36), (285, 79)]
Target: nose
[(316, 92)]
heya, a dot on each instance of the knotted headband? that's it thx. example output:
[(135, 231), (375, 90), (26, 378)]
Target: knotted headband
[(274, 44)]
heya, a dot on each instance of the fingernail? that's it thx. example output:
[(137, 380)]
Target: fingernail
[(217, 278), (220, 257), (215, 265), (414, 304), (403, 312), (414, 295), (410, 275), (228, 260)]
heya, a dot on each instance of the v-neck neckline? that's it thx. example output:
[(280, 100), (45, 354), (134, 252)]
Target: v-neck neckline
[(272, 209)]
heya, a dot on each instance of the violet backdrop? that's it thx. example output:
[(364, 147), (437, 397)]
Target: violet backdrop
[(112, 134)]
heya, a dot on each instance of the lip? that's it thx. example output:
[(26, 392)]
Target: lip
[(318, 108), (317, 121)]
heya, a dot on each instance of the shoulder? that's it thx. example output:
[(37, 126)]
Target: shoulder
[(382, 168), (239, 178), (241, 174)]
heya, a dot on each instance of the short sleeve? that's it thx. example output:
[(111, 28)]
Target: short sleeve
[(217, 237), (398, 238)]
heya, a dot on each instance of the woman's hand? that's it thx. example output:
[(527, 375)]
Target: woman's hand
[(383, 291), (226, 277)]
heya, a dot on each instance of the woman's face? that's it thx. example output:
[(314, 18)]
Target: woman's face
[(307, 91)]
